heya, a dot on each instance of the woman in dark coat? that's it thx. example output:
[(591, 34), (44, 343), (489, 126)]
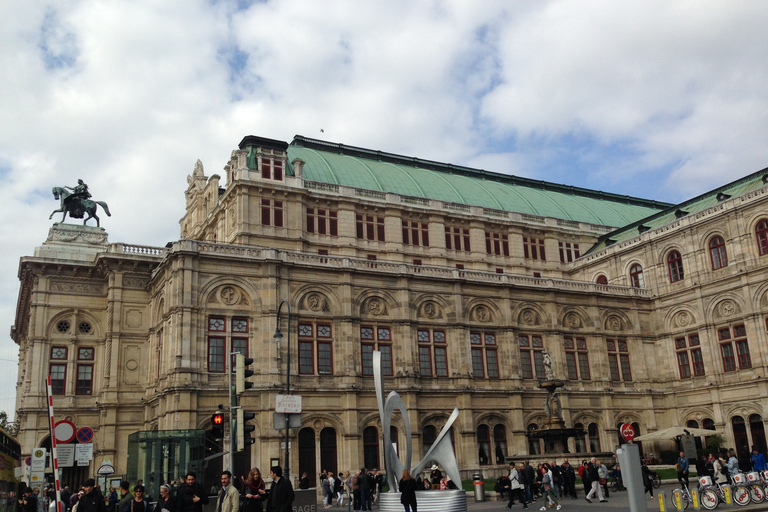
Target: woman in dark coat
[(166, 503), (253, 491), (407, 488)]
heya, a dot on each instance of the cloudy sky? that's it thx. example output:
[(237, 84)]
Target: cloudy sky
[(661, 100)]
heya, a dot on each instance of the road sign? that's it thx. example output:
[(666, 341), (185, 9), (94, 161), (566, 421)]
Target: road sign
[(278, 420), (28, 461), (627, 432), (64, 431), (106, 469), (85, 435), (288, 404)]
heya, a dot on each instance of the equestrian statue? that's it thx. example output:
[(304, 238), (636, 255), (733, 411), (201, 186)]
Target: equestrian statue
[(77, 203)]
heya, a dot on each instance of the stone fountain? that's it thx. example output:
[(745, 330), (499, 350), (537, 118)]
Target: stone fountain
[(554, 432)]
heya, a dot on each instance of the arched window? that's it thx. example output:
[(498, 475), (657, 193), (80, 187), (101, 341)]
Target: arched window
[(483, 444), (500, 443), (328, 448), (762, 237), (636, 276), (307, 454), (393, 435), (371, 447), (601, 279), (675, 266), (739, 433), (534, 445), (594, 437), (757, 429), (428, 436), (717, 252), (708, 424), (581, 439)]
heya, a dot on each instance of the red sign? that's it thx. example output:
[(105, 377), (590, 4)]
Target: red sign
[(85, 435), (627, 432), (64, 431)]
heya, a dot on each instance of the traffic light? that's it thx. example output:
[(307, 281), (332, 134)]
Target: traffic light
[(217, 425), (243, 430), (241, 373)]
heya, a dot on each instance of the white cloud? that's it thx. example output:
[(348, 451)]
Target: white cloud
[(129, 94)]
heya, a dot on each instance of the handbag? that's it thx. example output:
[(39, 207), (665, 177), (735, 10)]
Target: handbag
[(603, 481)]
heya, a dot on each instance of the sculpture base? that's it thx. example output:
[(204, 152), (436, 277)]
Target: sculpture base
[(73, 242), (454, 500), (556, 437)]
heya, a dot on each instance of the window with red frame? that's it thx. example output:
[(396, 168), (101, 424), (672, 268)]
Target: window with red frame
[(322, 221), (375, 337), (457, 239), (531, 355), (636, 278), (733, 347), (568, 251), (601, 279), (496, 243), (689, 359), (484, 444), (717, 254), (485, 362), (433, 354), (315, 348), (533, 248), (222, 341), (618, 360), (761, 231), (576, 358), (84, 384), (272, 213), (416, 233), (370, 227), (58, 373), (272, 168), (675, 266)]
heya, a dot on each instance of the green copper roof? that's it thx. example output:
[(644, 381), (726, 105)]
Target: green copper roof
[(739, 187), (385, 172)]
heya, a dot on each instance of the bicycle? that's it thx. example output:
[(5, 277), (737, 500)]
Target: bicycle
[(685, 495), (655, 480), (713, 493), (755, 486)]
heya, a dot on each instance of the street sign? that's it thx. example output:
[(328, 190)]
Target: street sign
[(288, 404), (64, 431), (627, 432), (83, 454), (106, 469), (28, 461), (65, 454), (278, 420), (85, 435)]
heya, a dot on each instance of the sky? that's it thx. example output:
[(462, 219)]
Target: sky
[(661, 100)]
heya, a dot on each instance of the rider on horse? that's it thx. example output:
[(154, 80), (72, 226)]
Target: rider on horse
[(75, 201)]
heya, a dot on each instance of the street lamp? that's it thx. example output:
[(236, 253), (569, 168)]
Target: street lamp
[(278, 337)]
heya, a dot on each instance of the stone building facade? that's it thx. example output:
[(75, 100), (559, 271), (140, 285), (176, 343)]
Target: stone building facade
[(655, 314)]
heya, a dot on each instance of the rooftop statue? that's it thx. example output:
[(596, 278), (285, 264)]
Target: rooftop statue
[(77, 203)]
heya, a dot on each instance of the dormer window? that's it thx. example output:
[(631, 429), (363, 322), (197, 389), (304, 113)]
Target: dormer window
[(272, 169)]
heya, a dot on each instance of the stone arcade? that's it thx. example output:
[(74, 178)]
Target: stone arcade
[(655, 313)]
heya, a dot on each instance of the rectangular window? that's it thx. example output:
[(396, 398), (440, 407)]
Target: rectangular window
[(216, 355), (496, 243), (370, 227), (272, 212), (322, 221), (58, 374), (372, 338), (576, 358), (457, 239), (415, 233), (531, 356), (484, 357), (240, 346), (315, 340), (618, 360), (59, 353), (432, 347), (689, 359), (533, 248), (568, 251), (734, 336), (84, 379), (272, 168)]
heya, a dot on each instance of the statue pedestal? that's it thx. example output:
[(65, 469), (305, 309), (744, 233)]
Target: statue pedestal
[(454, 500), (73, 242)]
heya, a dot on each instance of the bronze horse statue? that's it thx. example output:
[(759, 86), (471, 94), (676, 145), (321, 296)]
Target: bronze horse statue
[(77, 206)]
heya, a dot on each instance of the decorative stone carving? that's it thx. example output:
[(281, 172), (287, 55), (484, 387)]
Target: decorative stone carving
[(376, 307), (572, 321), (315, 302), (614, 323), (77, 287), (482, 314), (682, 319), (727, 308), (431, 310), (229, 295), (136, 282), (529, 317)]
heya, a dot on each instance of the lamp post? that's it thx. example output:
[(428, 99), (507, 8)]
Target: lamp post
[(278, 336)]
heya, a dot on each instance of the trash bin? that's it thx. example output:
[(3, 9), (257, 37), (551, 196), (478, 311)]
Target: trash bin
[(479, 485)]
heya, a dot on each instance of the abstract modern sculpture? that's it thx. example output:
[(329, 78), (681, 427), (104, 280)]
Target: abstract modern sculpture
[(440, 452)]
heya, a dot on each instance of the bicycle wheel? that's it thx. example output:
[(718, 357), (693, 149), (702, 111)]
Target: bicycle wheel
[(684, 499), (656, 481), (757, 494), (740, 495), (709, 499)]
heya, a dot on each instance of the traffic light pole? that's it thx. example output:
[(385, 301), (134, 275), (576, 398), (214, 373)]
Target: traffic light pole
[(286, 471), (231, 410)]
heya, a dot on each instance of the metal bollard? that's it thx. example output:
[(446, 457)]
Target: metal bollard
[(479, 485), (727, 491), (677, 500), (661, 503), (695, 499)]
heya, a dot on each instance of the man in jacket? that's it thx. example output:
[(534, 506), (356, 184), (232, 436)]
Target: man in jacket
[(529, 480), (758, 460), (515, 487), (682, 469), (281, 493), (125, 496), (569, 479), (229, 498), (594, 478), (362, 482), (191, 497), (92, 500)]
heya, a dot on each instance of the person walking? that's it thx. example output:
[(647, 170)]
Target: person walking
[(229, 498), (516, 487), (547, 486), (683, 467), (281, 493), (569, 479), (139, 503), (92, 500), (166, 502), (191, 496), (407, 487), (254, 491), (758, 460), (647, 479), (594, 479), (602, 472)]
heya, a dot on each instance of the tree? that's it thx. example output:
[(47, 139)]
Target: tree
[(9, 426)]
